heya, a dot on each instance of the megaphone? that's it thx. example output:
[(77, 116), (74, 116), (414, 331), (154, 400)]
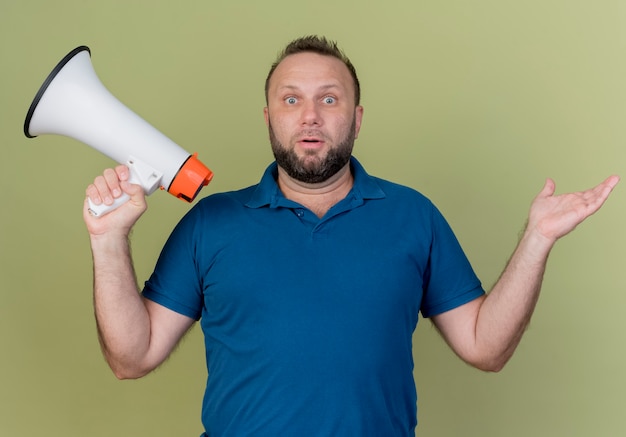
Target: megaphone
[(73, 102)]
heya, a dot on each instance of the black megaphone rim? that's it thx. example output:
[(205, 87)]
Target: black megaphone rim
[(47, 83)]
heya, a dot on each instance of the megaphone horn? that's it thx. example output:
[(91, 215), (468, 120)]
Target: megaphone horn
[(73, 102)]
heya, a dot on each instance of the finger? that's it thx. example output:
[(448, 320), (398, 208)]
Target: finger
[(107, 186), (548, 188), (123, 172), (113, 182), (602, 190), (93, 194), (598, 195), (611, 181)]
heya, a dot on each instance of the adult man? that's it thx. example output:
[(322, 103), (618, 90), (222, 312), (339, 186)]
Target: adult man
[(308, 285)]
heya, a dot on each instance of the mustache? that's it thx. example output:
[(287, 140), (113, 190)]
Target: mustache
[(310, 133)]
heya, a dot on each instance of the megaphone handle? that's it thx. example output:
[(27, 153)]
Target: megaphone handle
[(102, 209)]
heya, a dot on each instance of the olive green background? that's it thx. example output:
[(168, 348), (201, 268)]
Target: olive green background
[(474, 103)]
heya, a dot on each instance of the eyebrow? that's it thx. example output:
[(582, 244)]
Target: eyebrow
[(322, 88)]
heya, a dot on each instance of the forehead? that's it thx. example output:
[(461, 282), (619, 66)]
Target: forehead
[(311, 69)]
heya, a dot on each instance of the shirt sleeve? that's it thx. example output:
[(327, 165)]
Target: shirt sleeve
[(450, 279), (174, 282)]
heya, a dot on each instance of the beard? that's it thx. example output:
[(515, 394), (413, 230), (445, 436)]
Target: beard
[(312, 169)]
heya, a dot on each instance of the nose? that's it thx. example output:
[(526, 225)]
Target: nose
[(310, 115)]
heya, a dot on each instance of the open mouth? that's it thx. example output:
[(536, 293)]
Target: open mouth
[(310, 139), (311, 143)]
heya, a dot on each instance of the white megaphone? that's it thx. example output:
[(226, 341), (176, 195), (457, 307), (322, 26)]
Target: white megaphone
[(73, 102)]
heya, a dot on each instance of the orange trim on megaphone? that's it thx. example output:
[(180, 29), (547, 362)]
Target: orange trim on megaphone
[(191, 177)]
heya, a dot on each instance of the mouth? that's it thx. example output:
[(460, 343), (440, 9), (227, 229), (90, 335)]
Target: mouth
[(310, 136), (310, 142)]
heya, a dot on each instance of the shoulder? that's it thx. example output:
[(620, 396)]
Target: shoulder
[(217, 207), (237, 196), (374, 187), (226, 200), (404, 198), (397, 189)]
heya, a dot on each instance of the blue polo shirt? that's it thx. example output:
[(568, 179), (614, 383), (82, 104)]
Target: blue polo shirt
[(308, 322)]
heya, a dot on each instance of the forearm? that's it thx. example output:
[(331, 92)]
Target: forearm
[(506, 311), (121, 316)]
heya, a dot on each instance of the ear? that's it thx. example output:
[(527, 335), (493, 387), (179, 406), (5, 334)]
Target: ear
[(358, 117), (266, 116)]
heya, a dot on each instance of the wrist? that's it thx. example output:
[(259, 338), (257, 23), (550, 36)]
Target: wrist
[(109, 241), (536, 244)]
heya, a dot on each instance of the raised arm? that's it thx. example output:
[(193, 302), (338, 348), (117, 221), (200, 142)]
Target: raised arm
[(486, 331), (136, 334)]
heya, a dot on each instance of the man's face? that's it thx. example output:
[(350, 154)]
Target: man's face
[(311, 116)]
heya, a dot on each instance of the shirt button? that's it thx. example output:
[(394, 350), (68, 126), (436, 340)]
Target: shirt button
[(300, 213)]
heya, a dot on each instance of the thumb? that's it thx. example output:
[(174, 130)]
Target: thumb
[(130, 188), (548, 188), (135, 191)]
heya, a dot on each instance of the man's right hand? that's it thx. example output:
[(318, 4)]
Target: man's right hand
[(104, 189)]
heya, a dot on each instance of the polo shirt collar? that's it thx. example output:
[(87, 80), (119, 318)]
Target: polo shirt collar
[(267, 192)]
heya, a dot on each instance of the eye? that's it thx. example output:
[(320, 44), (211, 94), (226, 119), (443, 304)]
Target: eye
[(329, 100), (291, 100)]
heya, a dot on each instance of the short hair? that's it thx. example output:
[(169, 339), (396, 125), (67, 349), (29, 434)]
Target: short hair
[(321, 46)]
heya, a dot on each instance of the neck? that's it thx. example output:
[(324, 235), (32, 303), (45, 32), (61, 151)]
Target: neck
[(320, 197)]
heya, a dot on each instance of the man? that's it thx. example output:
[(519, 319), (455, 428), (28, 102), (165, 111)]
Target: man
[(308, 285)]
